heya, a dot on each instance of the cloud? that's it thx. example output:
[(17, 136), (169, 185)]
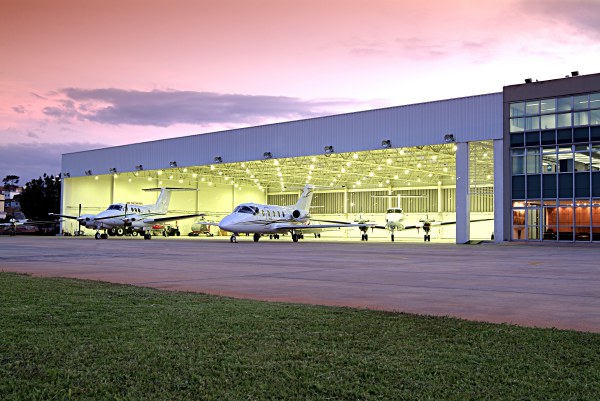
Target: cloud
[(163, 108), (29, 161), (579, 14)]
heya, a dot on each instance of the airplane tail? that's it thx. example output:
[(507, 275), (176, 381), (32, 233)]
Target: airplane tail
[(162, 203), (305, 199)]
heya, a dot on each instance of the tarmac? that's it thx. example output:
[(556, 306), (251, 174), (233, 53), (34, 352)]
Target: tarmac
[(527, 284)]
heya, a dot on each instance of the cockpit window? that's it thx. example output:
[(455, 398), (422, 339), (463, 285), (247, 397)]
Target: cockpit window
[(115, 207), (394, 211), (246, 209)]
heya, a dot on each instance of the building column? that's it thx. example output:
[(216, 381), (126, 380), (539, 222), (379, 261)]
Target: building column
[(463, 206), (499, 234), (440, 199), (346, 203)]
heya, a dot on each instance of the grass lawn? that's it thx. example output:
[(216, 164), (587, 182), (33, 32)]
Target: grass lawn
[(73, 339)]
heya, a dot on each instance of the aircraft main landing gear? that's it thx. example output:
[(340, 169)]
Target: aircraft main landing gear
[(364, 237), (392, 237), (256, 237), (295, 237), (427, 238)]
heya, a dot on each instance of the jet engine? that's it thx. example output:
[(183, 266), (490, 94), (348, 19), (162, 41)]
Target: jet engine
[(298, 214)]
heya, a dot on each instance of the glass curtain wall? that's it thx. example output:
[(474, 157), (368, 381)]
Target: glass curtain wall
[(555, 168)]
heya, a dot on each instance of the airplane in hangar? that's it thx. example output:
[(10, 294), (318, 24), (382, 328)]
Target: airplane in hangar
[(27, 226), (121, 217), (260, 219), (394, 220)]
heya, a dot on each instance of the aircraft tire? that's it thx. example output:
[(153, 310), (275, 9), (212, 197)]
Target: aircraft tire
[(366, 237), (256, 237), (134, 233), (232, 239), (97, 236), (392, 237), (112, 232), (119, 231), (295, 237)]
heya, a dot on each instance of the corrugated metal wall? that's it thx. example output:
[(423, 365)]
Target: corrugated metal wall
[(474, 118)]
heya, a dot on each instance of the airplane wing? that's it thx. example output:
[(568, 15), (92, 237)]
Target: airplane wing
[(63, 215), (315, 227), (171, 218)]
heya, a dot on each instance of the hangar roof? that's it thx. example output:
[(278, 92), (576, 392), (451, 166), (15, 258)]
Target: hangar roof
[(469, 119)]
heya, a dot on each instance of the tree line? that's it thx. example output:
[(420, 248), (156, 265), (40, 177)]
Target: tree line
[(40, 196)]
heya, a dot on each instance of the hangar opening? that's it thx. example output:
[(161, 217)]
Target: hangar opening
[(351, 186)]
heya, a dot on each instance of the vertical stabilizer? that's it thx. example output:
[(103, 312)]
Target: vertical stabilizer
[(162, 203), (305, 199)]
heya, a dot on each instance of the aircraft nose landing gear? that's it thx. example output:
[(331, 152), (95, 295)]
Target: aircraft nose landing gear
[(232, 239)]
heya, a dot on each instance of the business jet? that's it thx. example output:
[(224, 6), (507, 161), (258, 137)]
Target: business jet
[(120, 218), (259, 219)]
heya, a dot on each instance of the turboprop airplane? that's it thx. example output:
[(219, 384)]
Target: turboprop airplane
[(29, 225), (259, 219), (121, 217)]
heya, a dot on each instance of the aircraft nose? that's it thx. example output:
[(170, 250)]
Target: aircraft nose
[(225, 223)]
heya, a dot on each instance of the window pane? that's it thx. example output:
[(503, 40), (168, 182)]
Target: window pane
[(549, 163), (582, 216), (580, 102), (582, 161), (595, 117), (517, 124), (533, 162), (517, 109), (532, 123), (581, 118), (564, 104), (548, 106), (594, 100), (595, 158), (563, 120), (532, 107), (518, 165), (549, 121)]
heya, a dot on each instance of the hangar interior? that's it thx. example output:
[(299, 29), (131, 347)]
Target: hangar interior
[(350, 186)]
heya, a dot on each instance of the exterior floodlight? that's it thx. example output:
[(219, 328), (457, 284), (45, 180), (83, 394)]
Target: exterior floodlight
[(88, 172), (574, 73), (268, 155), (173, 164), (139, 167), (218, 159), (112, 170), (386, 143), (328, 150), (448, 138), (528, 80)]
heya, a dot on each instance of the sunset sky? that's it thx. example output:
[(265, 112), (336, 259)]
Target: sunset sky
[(77, 75)]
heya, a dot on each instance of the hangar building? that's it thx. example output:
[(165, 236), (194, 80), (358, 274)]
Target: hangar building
[(518, 165)]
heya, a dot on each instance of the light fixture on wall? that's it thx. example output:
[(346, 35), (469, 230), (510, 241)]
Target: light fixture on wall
[(328, 150), (173, 164), (268, 155), (386, 143), (112, 170), (218, 159), (449, 138), (139, 167), (528, 80), (574, 73), (88, 172)]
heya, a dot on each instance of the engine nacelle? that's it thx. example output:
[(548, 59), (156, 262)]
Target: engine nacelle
[(298, 214)]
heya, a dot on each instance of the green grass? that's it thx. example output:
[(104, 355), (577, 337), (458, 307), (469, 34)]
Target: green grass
[(72, 339)]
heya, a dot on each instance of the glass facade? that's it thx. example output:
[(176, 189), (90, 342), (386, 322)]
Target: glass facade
[(555, 168)]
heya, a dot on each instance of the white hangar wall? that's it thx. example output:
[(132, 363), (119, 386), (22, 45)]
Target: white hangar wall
[(474, 118)]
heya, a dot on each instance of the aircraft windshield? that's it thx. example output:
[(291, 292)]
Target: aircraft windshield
[(246, 209), (394, 211), (115, 207)]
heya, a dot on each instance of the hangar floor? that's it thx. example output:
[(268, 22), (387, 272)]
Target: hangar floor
[(525, 284)]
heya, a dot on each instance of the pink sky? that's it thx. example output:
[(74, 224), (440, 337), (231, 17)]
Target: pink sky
[(78, 74)]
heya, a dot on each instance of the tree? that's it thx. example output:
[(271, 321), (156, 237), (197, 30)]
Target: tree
[(41, 196), (10, 182)]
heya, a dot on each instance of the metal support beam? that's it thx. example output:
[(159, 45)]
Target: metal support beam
[(463, 206), (499, 232)]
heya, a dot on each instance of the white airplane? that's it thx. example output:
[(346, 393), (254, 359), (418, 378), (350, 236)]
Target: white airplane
[(12, 225), (120, 218), (394, 220), (258, 219)]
